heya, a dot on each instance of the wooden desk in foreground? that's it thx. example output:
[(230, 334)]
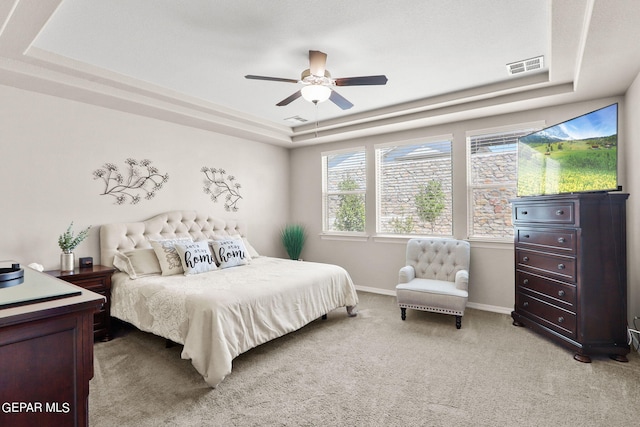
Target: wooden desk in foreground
[(46, 351)]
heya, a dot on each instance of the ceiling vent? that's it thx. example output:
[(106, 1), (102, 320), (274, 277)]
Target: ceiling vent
[(295, 120), (527, 65)]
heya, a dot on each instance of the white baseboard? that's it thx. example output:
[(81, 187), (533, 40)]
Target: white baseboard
[(477, 306), (388, 292), (491, 308)]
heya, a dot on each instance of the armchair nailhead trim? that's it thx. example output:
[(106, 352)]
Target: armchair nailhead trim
[(433, 309)]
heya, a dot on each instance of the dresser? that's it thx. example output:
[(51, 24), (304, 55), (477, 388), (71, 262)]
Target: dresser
[(96, 278), (570, 271), (46, 351)]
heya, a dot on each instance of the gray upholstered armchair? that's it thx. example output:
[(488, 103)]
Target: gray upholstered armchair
[(436, 277)]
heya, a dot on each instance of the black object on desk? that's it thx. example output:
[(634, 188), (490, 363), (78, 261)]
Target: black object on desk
[(11, 276)]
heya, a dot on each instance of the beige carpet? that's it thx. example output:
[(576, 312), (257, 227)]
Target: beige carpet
[(371, 370)]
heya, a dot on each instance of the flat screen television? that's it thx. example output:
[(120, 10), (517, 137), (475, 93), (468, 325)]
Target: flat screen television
[(576, 156)]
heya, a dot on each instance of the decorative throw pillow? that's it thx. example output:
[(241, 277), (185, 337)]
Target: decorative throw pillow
[(251, 252), (230, 252), (196, 257), (168, 256), (137, 262)]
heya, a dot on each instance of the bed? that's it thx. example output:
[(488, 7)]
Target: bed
[(216, 315)]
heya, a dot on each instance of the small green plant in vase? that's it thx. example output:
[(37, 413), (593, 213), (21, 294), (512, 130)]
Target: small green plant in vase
[(293, 237), (68, 241)]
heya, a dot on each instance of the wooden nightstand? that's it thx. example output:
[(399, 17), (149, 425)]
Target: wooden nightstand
[(96, 279)]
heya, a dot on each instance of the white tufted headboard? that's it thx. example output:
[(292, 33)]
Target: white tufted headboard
[(135, 235)]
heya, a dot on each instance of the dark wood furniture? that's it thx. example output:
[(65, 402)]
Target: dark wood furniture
[(46, 354), (98, 280), (570, 267)]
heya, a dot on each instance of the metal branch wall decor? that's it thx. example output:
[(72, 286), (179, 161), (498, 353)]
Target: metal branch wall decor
[(218, 184), (138, 179)]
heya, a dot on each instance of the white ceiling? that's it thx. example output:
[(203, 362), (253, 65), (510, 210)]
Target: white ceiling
[(185, 61)]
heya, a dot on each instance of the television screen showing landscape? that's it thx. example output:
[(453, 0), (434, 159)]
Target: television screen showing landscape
[(579, 155)]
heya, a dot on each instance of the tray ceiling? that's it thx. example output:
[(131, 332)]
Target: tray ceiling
[(189, 59)]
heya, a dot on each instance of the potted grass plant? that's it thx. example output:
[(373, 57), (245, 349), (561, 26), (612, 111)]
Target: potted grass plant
[(293, 237)]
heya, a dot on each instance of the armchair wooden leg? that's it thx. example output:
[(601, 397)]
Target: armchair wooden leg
[(403, 313), (458, 322)]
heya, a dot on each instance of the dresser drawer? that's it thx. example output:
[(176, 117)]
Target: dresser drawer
[(552, 291), (558, 266), (551, 316), (95, 284), (547, 238), (547, 213)]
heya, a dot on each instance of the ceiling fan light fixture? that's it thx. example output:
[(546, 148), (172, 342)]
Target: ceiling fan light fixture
[(318, 83), (316, 93)]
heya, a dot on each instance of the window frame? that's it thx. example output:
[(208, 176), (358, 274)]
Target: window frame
[(526, 128), (382, 235), (326, 232)]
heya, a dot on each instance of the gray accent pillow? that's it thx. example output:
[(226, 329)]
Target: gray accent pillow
[(137, 262)]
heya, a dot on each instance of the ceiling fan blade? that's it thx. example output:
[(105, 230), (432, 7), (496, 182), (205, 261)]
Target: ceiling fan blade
[(317, 62), (361, 81), (290, 99), (272, 79), (340, 100)]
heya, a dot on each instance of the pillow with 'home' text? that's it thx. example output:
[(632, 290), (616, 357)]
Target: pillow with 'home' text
[(230, 252), (196, 257)]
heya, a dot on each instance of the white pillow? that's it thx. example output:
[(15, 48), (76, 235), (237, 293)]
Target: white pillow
[(196, 257), (251, 252), (168, 256), (137, 262), (230, 252)]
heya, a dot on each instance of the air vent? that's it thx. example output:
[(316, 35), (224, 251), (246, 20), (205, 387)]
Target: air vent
[(527, 65), (296, 120)]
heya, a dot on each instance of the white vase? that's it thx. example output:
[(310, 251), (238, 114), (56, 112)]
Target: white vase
[(67, 261)]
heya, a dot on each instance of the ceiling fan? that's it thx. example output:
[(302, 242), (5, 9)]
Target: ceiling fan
[(318, 83)]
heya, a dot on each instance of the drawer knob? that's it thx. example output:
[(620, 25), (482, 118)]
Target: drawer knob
[(560, 293), (561, 240), (525, 259), (525, 304), (524, 212), (561, 266), (526, 236), (525, 281), (560, 319), (559, 212)]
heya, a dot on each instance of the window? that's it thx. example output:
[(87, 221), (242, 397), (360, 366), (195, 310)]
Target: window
[(492, 178), (414, 186), (344, 185)]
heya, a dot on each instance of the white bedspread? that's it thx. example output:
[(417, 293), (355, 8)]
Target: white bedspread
[(221, 314)]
